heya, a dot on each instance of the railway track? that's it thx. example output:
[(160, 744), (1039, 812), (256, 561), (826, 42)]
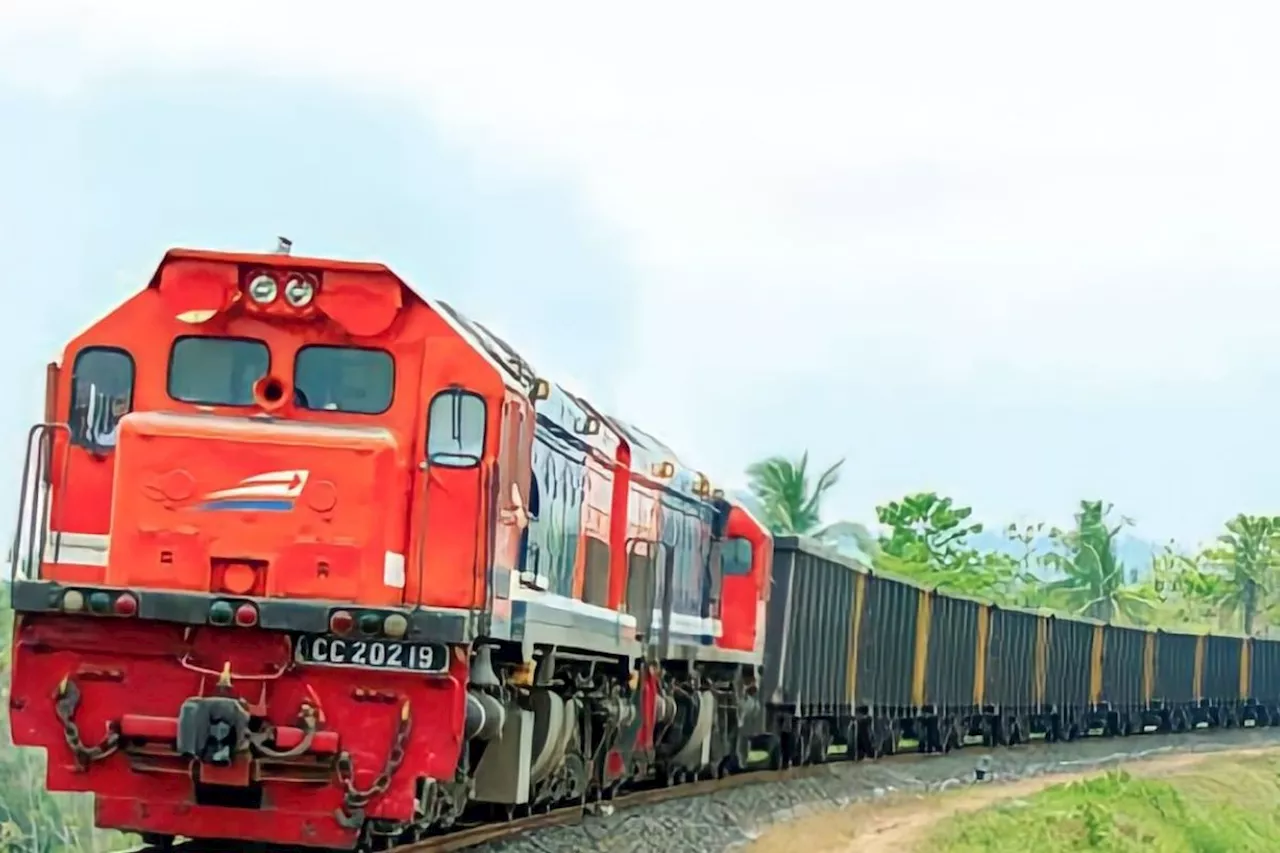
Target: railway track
[(472, 836)]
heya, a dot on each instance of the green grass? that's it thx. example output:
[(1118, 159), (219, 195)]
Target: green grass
[(1225, 805)]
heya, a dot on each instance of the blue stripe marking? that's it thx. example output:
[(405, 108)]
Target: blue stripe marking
[(249, 505)]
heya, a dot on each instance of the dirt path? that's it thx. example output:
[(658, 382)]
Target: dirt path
[(899, 823)]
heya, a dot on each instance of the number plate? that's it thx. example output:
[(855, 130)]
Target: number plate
[(371, 654)]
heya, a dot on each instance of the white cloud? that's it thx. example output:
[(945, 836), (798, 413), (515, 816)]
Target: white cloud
[(1085, 195)]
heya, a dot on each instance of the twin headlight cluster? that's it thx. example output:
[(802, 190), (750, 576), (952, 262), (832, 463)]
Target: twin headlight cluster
[(298, 290)]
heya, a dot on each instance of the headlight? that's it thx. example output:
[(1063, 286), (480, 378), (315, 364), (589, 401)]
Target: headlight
[(263, 289), (299, 291)]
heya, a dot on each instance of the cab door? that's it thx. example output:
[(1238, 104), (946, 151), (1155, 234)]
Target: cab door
[(83, 464), (453, 494), (744, 561), (514, 499)]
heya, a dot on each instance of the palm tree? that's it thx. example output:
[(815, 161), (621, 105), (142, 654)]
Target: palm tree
[(1246, 556), (789, 504), (1093, 583)]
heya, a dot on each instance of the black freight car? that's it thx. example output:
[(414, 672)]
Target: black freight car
[(810, 649), (840, 654), (1222, 687), (888, 691), (1013, 691), (1264, 681), (1177, 680), (1125, 700), (1068, 696), (955, 657)]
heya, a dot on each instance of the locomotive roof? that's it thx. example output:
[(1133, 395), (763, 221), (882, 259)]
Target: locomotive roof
[(487, 351), (293, 262)]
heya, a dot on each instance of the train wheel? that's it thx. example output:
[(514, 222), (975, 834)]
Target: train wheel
[(777, 759), (936, 733), (887, 739), (801, 745), (819, 745), (1177, 721), (1053, 729), (999, 731), (789, 744), (853, 741), (1019, 732), (946, 736), (869, 745), (798, 754), (960, 732)]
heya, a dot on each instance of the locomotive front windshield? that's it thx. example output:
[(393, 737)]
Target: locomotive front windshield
[(344, 379), (216, 371)]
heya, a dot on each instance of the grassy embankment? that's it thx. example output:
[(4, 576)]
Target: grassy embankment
[(1220, 805)]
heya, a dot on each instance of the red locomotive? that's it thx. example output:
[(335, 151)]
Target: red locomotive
[(308, 558)]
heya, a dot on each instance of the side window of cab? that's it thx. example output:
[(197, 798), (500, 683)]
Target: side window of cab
[(735, 557), (102, 381), (456, 429)]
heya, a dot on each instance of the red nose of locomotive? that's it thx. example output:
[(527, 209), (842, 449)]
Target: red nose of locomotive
[(254, 507)]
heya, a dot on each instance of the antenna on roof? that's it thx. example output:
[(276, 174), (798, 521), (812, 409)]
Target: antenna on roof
[(283, 245)]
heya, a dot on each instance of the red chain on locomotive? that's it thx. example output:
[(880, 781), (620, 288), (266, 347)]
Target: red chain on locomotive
[(307, 558)]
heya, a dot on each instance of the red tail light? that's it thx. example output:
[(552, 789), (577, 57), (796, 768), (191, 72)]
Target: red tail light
[(246, 615), (341, 622), (125, 605)]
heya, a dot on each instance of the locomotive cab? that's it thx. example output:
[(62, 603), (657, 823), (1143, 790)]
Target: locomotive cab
[(262, 437)]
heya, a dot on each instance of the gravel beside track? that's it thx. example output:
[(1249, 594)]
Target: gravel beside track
[(717, 822)]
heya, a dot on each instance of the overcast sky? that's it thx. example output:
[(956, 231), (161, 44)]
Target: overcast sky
[(1023, 258)]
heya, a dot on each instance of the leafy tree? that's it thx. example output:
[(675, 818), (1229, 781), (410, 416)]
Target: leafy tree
[(791, 506), (1093, 582), (927, 541), (928, 530), (1246, 558)]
